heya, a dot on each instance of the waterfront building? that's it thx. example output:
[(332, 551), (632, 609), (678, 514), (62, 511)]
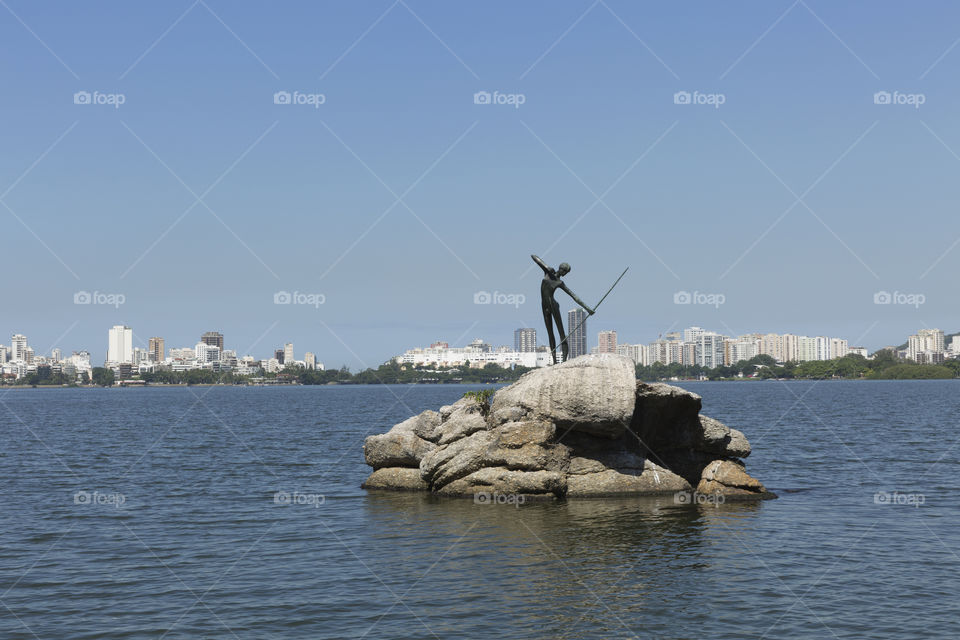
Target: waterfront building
[(213, 338), (155, 349), (709, 350), (607, 342), (692, 334), (18, 347), (120, 345), (525, 340), (926, 345)]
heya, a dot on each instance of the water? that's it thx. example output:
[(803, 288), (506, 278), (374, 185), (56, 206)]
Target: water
[(200, 547)]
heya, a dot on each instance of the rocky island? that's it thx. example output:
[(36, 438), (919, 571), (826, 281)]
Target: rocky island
[(586, 428)]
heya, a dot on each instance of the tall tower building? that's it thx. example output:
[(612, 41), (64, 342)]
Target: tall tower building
[(18, 347), (525, 340), (155, 348), (607, 342), (120, 344), (278, 355), (288, 353), (56, 355), (213, 338), (577, 338), (310, 360)]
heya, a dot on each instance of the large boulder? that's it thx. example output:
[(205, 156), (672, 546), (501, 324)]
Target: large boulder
[(399, 447), (396, 479), (594, 394), (729, 479), (503, 481)]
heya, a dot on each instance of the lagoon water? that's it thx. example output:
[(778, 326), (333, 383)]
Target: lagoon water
[(149, 513)]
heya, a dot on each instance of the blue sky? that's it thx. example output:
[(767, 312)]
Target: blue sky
[(398, 199)]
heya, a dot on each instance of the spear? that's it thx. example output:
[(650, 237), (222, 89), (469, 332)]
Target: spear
[(579, 324)]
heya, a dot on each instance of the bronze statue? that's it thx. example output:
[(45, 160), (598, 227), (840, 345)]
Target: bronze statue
[(551, 309)]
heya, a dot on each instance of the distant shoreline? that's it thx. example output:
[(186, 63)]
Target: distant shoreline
[(160, 385)]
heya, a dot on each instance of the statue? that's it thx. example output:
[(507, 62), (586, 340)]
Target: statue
[(551, 309)]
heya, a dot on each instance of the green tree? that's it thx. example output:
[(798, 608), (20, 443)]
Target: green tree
[(102, 377)]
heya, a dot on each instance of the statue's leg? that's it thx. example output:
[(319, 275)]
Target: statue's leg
[(563, 339), (548, 320)]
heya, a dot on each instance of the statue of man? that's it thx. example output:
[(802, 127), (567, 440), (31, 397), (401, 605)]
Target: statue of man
[(551, 309)]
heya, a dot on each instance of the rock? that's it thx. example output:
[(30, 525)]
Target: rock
[(666, 417), (484, 449), (593, 394), (455, 460), (500, 480), (399, 447), (426, 425), (738, 447), (506, 414), (396, 478), (687, 463), (461, 424), (717, 438), (517, 434), (728, 478), (653, 480)]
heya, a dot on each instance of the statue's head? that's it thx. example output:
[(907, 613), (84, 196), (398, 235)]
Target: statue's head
[(563, 269)]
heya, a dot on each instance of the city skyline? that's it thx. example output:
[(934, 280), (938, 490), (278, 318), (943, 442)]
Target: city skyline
[(929, 343)]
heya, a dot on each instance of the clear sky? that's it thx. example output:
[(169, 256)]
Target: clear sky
[(397, 199)]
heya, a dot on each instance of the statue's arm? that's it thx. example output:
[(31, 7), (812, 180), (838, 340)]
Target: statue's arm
[(540, 263), (580, 302)]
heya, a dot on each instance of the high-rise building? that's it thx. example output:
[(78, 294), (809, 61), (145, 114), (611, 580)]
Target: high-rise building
[(120, 345), (288, 353), (710, 350), (525, 340), (56, 355), (692, 334), (636, 352), (577, 338), (140, 355), (18, 347), (839, 347), (924, 343), (213, 338), (278, 356), (204, 352), (607, 342), (310, 360), (155, 348)]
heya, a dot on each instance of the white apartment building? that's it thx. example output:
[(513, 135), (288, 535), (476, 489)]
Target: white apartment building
[(18, 347), (924, 344), (636, 352), (709, 351), (120, 345), (477, 354)]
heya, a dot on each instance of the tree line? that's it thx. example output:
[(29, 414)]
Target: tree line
[(884, 366)]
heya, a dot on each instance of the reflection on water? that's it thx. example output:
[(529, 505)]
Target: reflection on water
[(571, 565)]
